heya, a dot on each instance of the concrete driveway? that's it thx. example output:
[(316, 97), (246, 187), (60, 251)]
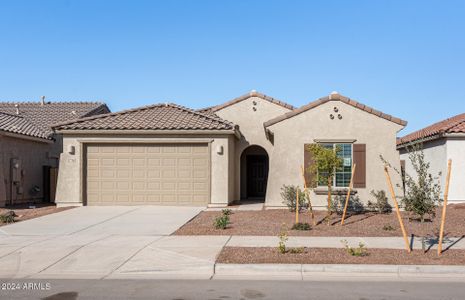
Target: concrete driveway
[(112, 241)]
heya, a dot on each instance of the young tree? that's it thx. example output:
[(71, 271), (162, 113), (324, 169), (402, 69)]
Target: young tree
[(326, 162)]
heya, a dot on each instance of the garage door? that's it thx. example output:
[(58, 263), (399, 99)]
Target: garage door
[(165, 174)]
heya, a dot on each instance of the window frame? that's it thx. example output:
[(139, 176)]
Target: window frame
[(334, 145)]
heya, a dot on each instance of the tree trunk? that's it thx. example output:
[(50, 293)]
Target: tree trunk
[(329, 199)]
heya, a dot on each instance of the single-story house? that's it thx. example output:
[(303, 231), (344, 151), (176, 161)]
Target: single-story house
[(30, 150), (246, 148), (440, 142)]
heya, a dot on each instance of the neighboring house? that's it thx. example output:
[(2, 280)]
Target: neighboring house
[(247, 148), (441, 141), (29, 149)]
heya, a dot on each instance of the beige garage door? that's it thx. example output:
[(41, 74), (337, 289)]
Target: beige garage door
[(165, 174)]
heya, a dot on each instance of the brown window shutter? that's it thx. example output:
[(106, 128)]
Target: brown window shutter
[(308, 160), (360, 170)]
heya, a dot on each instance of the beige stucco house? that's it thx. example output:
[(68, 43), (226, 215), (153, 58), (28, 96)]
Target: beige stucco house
[(440, 142), (30, 150), (244, 149)]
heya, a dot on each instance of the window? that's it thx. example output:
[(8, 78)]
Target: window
[(342, 174)]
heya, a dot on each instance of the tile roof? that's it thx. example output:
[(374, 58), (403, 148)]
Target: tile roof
[(20, 125), (335, 97), (247, 96), (43, 116), (454, 124), (166, 116)]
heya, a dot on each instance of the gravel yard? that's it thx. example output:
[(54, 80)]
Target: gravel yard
[(250, 255), (23, 211), (268, 222)]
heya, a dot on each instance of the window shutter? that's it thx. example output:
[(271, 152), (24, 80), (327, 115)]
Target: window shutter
[(308, 161), (360, 170)]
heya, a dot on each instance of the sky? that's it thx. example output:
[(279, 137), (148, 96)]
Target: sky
[(405, 58)]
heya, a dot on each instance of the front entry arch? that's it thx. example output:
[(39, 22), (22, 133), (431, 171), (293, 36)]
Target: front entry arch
[(254, 173)]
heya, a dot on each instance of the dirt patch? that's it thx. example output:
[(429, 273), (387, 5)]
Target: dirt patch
[(264, 255), (268, 222), (23, 211)]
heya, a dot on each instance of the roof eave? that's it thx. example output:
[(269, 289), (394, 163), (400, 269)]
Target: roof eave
[(234, 131), (26, 137)]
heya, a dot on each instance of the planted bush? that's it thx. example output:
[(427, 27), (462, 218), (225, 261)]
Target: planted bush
[(221, 222), (226, 211), (289, 195), (301, 226), (361, 250), (282, 239), (380, 204), (354, 206), (8, 217)]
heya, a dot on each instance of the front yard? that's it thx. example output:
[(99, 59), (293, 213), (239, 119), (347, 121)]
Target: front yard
[(24, 212), (269, 222)]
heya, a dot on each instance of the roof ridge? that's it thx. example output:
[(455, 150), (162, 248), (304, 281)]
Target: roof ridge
[(334, 97), (52, 102), (250, 94)]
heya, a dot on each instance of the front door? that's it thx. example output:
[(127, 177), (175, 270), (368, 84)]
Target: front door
[(257, 171)]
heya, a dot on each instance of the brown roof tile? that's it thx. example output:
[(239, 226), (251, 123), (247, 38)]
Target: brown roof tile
[(454, 124), (43, 116), (154, 117), (20, 125), (334, 97)]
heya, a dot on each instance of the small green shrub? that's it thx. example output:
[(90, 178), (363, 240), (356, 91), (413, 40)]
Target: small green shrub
[(226, 212), (8, 217), (301, 226), (221, 222), (388, 227), (289, 195), (282, 239), (297, 250), (354, 206), (360, 251), (380, 204)]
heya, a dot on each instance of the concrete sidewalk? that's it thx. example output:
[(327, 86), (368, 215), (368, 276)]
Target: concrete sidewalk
[(336, 242)]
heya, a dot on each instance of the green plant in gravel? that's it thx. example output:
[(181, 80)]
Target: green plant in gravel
[(360, 251), (301, 226), (226, 212), (221, 222), (289, 195), (422, 190), (8, 217), (297, 250), (388, 227), (381, 204), (354, 206), (282, 239)]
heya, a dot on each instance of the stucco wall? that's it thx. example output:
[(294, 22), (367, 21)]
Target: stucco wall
[(456, 152), (290, 135), (33, 156), (250, 123), (70, 190)]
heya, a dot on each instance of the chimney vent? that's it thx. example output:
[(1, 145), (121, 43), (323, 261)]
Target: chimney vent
[(42, 100), (17, 109)]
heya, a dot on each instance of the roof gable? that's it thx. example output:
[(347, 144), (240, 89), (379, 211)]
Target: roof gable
[(334, 97), (167, 116), (247, 96), (455, 124)]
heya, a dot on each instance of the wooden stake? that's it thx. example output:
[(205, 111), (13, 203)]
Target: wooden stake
[(443, 218), (308, 195), (297, 205), (328, 216), (393, 195), (348, 194)]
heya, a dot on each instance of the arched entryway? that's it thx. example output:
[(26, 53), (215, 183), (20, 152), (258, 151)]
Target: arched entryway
[(254, 173)]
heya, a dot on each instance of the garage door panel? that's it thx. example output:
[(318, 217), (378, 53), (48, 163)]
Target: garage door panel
[(167, 174)]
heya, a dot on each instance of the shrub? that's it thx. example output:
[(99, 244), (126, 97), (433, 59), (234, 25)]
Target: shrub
[(221, 222), (423, 191), (289, 195), (8, 217), (361, 250), (381, 204), (388, 227), (354, 206), (301, 226), (282, 239), (226, 212), (297, 250)]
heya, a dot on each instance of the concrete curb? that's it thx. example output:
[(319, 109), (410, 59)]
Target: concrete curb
[(308, 270)]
